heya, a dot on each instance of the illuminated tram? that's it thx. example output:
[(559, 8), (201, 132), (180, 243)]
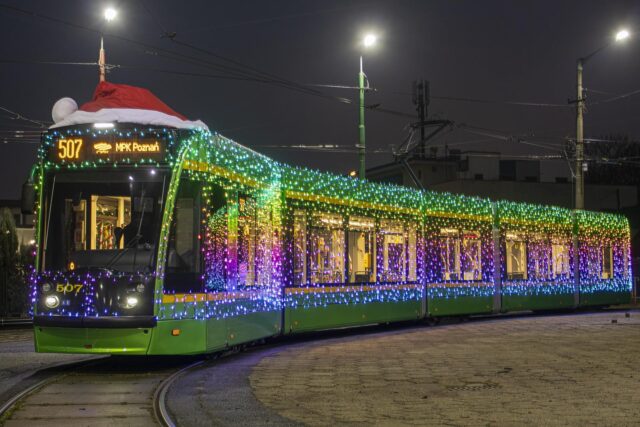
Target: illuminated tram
[(156, 238)]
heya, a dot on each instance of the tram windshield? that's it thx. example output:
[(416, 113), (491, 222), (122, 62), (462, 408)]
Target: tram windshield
[(103, 220)]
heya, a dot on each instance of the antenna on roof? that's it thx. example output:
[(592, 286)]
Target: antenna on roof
[(109, 15), (102, 61)]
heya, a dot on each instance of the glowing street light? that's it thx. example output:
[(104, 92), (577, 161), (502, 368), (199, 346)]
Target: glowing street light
[(110, 14), (620, 36), (368, 41)]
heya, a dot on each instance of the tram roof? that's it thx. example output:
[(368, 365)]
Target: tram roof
[(312, 185), (326, 186)]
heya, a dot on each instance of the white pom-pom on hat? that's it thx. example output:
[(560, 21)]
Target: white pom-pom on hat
[(62, 108)]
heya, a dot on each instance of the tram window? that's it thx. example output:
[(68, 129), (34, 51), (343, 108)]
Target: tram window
[(246, 241), (76, 215), (413, 256), (450, 253), (592, 256), (183, 250), (267, 240), (326, 249), (109, 215), (471, 256), (299, 248), (516, 256), (607, 262), (540, 257), (92, 221), (361, 250), (215, 237), (461, 254), (625, 261), (392, 256), (560, 259)]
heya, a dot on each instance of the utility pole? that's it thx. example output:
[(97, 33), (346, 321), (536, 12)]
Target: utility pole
[(428, 130), (580, 164), (361, 134), (102, 61), (579, 139), (421, 98)]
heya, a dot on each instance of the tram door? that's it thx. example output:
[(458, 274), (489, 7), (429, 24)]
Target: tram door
[(183, 272)]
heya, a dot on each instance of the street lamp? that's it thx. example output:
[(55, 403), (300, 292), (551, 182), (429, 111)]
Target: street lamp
[(109, 15), (620, 36), (368, 42)]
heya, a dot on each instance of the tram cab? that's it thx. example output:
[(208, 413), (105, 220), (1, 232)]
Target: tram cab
[(102, 185), (102, 201)]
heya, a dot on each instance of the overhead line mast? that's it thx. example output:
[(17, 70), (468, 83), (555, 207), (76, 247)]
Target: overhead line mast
[(102, 61)]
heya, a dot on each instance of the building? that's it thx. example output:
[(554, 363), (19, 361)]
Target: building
[(488, 174)]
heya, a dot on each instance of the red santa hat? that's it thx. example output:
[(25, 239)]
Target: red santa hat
[(120, 103)]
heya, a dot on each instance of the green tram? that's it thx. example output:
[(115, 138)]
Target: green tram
[(158, 241)]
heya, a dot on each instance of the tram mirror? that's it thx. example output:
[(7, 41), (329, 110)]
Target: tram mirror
[(28, 197)]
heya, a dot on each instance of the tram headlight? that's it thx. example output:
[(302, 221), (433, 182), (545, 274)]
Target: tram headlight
[(131, 301), (52, 301), (46, 287)]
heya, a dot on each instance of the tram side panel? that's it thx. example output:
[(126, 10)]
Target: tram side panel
[(604, 259), (459, 265), (222, 280), (536, 252), (350, 267)]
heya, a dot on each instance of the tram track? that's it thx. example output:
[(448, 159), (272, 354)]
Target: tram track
[(113, 390), (161, 412)]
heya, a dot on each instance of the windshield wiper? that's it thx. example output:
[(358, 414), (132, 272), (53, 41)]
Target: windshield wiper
[(138, 235)]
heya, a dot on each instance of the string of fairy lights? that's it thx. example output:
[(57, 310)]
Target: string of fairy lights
[(273, 236)]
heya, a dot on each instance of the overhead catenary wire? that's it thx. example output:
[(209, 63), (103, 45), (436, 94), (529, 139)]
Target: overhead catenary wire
[(18, 116), (38, 62), (488, 101), (615, 98), (242, 71), (264, 20), (236, 70)]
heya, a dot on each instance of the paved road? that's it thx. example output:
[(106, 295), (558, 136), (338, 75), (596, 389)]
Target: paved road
[(18, 361), (109, 392), (534, 370)]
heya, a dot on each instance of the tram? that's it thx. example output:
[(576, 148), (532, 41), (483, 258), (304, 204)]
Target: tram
[(156, 236)]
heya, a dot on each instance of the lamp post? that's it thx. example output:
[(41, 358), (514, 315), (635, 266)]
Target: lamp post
[(109, 15), (368, 41), (620, 36)]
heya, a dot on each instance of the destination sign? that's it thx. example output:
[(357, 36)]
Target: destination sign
[(109, 148)]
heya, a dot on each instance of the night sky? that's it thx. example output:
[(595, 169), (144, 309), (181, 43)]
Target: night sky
[(521, 51)]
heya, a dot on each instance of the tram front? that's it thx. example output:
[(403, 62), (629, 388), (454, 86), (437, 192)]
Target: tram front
[(101, 201)]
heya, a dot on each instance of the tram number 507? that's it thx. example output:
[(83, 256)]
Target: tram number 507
[(69, 149), (68, 288)]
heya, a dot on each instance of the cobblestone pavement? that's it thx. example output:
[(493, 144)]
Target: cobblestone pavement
[(579, 369)]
